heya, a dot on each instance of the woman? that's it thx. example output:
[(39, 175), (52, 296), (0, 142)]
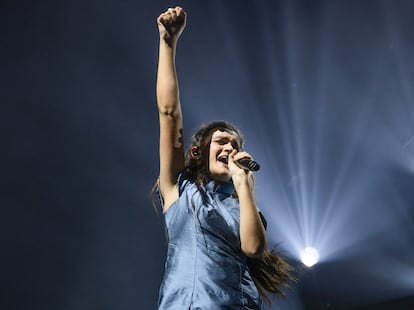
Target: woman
[(217, 256)]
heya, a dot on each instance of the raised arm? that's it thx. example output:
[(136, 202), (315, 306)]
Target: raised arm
[(170, 24)]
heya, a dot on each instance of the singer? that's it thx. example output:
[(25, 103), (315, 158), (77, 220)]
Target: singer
[(217, 252)]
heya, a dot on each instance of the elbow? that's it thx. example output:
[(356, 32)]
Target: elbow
[(169, 111), (254, 250), (165, 110)]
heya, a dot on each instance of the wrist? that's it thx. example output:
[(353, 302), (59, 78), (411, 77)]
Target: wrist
[(241, 183), (167, 45)]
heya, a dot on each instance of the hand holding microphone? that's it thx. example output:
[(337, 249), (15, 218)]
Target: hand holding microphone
[(244, 161)]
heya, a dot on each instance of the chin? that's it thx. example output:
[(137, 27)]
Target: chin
[(223, 178)]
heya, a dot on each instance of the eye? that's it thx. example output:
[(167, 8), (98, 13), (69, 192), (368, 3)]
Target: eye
[(221, 141), (235, 144)]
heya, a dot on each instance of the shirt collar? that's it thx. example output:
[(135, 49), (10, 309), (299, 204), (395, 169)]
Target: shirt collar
[(223, 188)]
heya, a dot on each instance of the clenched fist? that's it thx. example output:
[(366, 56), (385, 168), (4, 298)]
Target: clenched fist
[(171, 24)]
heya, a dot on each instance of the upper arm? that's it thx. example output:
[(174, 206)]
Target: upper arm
[(171, 155)]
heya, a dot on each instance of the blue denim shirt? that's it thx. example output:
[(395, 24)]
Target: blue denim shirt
[(205, 266)]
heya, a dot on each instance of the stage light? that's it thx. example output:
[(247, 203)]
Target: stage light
[(309, 256)]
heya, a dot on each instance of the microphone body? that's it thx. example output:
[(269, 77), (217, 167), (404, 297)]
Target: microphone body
[(249, 164)]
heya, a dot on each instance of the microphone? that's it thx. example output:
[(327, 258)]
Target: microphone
[(249, 164)]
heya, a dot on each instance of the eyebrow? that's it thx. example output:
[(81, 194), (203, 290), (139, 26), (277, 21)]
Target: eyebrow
[(231, 138), (222, 136)]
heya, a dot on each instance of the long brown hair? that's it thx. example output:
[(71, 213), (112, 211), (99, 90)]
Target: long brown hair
[(270, 272)]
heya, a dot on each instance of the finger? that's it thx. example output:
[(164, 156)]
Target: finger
[(182, 17), (164, 17), (232, 156), (160, 19), (173, 13), (179, 11), (167, 18), (233, 153), (242, 155)]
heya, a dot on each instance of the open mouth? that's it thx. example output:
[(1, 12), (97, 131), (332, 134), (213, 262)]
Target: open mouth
[(223, 159)]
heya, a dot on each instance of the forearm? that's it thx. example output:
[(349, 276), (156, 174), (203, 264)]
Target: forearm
[(167, 84), (252, 232)]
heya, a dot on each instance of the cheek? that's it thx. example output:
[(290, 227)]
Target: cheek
[(212, 158), (211, 150), (212, 155), (214, 150)]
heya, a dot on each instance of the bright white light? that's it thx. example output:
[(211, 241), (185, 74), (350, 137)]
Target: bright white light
[(309, 256)]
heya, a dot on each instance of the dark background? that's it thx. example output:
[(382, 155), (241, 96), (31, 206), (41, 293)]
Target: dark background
[(323, 91)]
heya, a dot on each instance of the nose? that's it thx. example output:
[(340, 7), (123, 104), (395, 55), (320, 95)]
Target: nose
[(228, 147)]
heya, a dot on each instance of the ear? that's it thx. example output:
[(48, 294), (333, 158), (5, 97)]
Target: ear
[(195, 152)]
